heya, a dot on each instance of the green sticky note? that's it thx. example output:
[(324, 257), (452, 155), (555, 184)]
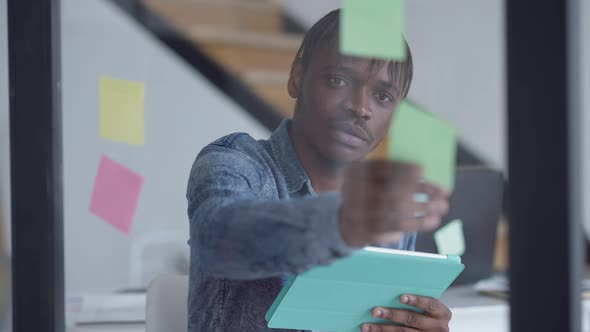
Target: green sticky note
[(421, 138), (450, 239), (373, 29), (122, 111)]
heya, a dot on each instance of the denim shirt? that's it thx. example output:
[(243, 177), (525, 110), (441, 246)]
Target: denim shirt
[(254, 220)]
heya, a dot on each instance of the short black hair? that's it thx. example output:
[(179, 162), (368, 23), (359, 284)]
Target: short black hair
[(325, 32)]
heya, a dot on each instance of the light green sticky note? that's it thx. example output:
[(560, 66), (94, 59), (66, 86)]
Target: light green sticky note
[(421, 138), (122, 111), (373, 28), (450, 239)]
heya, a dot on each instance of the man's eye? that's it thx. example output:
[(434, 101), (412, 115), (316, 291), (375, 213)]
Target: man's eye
[(384, 97), (337, 81)]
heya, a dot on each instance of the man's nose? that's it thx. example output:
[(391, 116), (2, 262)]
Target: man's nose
[(359, 104)]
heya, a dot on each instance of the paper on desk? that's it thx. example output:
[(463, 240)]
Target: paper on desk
[(500, 283), (122, 111), (418, 137), (373, 29), (106, 308), (116, 194), (496, 283), (450, 239)]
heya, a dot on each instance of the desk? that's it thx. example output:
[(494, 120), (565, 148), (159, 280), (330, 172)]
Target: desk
[(471, 309), (120, 327), (471, 312)]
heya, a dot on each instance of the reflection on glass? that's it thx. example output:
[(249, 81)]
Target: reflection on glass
[(282, 198)]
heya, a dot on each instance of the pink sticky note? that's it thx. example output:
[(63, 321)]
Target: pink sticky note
[(116, 193)]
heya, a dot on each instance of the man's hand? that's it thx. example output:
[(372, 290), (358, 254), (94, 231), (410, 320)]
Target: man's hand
[(436, 316), (378, 203)]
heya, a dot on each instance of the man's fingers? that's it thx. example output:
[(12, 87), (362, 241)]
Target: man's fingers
[(406, 222), (386, 328), (433, 191), (404, 175), (437, 208), (426, 223), (409, 218), (408, 318), (431, 306), (423, 216)]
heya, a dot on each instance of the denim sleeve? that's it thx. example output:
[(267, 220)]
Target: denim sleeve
[(240, 236), (409, 242)]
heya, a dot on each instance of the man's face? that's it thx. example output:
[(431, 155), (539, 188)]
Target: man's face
[(344, 105)]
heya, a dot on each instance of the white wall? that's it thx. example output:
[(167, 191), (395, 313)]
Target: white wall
[(4, 132), (183, 113), (458, 48), (459, 65), (308, 12)]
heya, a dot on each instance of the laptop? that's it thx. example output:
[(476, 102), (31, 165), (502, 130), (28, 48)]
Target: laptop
[(477, 201)]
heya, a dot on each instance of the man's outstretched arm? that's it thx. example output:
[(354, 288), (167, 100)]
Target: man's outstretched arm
[(240, 236)]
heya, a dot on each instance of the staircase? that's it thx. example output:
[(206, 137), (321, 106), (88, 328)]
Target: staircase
[(245, 37)]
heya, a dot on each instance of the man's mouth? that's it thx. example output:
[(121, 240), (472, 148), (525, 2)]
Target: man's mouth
[(350, 135)]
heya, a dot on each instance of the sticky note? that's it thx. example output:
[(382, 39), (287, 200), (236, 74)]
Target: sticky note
[(116, 194), (373, 29), (121, 116), (418, 137), (449, 239)]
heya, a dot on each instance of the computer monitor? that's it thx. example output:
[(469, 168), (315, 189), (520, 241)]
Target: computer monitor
[(476, 200)]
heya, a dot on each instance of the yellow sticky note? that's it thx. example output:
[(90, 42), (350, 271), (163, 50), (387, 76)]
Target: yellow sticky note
[(122, 111), (450, 239)]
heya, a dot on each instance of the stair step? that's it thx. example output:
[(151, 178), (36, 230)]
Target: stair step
[(251, 15), (271, 85), (228, 36), (278, 97), (266, 77), (244, 51)]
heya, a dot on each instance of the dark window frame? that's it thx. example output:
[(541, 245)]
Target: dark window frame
[(36, 165), (546, 253)]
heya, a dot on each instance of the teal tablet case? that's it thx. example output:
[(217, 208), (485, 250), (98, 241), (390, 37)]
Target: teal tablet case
[(339, 297)]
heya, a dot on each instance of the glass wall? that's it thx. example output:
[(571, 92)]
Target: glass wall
[(114, 63), (148, 84)]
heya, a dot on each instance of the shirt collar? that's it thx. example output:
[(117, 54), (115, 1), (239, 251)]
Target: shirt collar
[(286, 158)]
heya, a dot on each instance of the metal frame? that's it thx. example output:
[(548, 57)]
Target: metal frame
[(36, 165), (545, 232)]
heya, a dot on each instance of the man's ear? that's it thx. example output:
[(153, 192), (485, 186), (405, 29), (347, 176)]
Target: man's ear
[(295, 79)]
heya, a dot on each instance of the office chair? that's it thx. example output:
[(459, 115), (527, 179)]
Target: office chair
[(156, 253), (166, 309)]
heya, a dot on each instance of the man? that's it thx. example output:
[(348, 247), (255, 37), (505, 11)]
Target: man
[(262, 210)]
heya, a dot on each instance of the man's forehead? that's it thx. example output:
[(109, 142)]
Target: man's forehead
[(331, 58)]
